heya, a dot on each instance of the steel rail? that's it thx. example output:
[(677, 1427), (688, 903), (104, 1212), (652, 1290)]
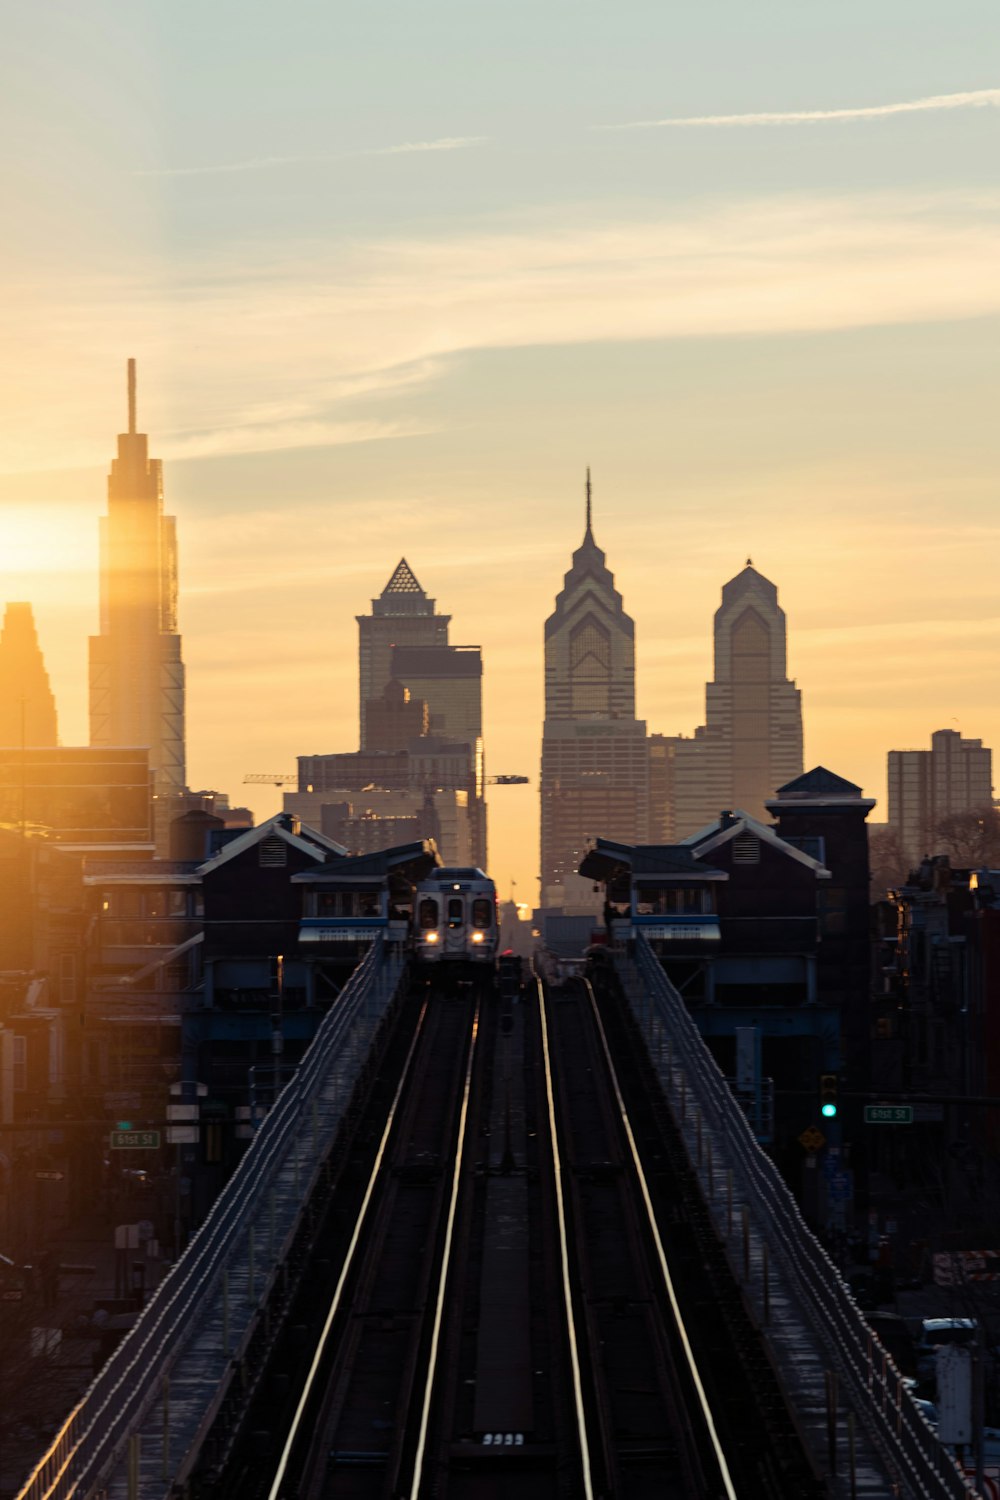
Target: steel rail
[(703, 1401), (432, 1357), (345, 1270), (574, 1353)]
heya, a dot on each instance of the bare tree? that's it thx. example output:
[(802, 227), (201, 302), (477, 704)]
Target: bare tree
[(888, 862), (970, 839)]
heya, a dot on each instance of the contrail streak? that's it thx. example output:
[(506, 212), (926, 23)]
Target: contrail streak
[(971, 99)]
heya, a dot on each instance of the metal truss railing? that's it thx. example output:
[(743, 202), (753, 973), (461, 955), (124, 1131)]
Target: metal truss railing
[(882, 1402), (95, 1436)]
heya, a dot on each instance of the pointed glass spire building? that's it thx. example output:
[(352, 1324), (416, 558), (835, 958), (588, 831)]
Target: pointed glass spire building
[(136, 671), (595, 776), (27, 707)]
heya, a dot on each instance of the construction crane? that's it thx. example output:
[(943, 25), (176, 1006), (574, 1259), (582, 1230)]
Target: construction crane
[(280, 778)]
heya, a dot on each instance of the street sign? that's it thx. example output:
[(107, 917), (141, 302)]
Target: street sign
[(46, 1176), (888, 1114), (812, 1139), (135, 1140)]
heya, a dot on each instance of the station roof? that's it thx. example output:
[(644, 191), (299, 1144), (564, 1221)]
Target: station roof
[(819, 782), (413, 861), (675, 862), (738, 822), (285, 827)]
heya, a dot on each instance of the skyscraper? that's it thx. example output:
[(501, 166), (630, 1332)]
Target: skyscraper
[(27, 707), (751, 742), (136, 671), (595, 768), (954, 776), (402, 615), (410, 675)]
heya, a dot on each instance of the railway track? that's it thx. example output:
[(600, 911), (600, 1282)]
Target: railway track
[(489, 1311)]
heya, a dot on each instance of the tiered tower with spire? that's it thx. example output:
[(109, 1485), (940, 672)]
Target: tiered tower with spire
[(136, 671), (595, 777)]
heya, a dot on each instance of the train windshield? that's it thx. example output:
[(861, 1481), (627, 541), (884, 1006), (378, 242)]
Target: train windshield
[(428, 914), (456, 912), (482, 912)]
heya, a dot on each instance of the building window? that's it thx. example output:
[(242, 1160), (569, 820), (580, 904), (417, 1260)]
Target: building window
[(20, 1064), (67, 978)]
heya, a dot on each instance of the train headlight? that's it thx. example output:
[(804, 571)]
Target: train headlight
[(477, 937), (430, 937)]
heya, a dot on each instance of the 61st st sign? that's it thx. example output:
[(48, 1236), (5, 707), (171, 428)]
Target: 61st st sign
[(888, 1114), (135, 1140)]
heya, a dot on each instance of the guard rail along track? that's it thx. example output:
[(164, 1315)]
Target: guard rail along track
[(919, 1464), (95, 1438)]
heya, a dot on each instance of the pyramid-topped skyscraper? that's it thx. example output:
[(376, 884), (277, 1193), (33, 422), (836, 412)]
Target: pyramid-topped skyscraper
[(402, 615), (136, 671)]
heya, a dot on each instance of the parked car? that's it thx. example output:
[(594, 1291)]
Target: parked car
[(937, 1331)]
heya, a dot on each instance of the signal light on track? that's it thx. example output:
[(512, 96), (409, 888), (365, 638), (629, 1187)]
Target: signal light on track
[(828, 1095)]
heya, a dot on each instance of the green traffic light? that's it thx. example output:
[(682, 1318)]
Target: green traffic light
[(828, 1111)]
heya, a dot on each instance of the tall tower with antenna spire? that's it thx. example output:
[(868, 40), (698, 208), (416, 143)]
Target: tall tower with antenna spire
[(136, 670), (595, 773)]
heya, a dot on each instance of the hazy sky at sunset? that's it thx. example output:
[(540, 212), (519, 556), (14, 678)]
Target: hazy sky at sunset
[(395, 273)]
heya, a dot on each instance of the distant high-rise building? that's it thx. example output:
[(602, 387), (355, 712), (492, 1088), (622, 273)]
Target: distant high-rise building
[(421, 717), (402, 615), (136, 671), (751, 742), (27, 707), (396, 718), (955, 775), (595, 765)]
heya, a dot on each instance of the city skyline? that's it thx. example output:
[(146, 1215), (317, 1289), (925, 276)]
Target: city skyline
[(517, 837), (379, 292)]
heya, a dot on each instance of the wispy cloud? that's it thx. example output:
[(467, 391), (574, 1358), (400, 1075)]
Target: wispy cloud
[(971, 99), (446, 143), (298, 342), (261, 163)]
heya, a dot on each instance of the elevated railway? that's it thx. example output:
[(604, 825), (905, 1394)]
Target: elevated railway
[(489, 1307)]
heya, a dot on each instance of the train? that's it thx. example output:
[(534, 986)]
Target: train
[(455, 924)]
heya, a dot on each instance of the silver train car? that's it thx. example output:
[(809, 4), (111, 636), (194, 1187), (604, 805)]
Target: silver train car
[(455, 920)]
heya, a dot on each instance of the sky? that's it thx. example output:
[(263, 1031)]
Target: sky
[(395, 275)]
